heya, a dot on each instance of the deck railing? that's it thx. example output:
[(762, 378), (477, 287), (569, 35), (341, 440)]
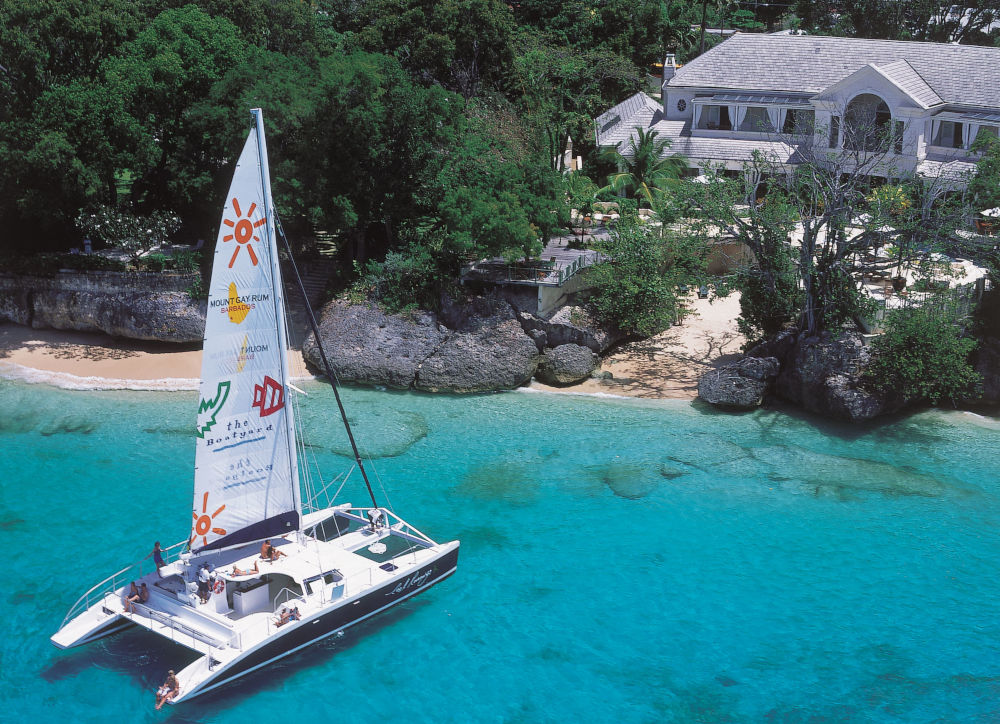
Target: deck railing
[(115, 581)]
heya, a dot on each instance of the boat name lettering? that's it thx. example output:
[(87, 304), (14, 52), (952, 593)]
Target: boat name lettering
[(414, 581), (239, 431)]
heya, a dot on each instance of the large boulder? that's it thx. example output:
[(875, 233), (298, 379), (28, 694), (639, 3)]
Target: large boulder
[(566, 364), (822, 374), (485, 349), (365, 345), (741, 385)]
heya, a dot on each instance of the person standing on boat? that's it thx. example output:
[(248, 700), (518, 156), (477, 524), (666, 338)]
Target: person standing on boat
[(157, 555), (203, 583)]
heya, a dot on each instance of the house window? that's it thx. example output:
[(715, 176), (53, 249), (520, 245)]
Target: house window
[(799, 121), (949, 134), (715, 118), (756, 119), (834, 131)]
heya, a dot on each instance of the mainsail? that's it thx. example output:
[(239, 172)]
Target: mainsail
[(246, 485)]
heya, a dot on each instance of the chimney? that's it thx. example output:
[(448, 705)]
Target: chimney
[(669, 67)]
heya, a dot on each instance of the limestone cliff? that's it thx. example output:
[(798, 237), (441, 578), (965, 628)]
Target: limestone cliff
[(134, 305)]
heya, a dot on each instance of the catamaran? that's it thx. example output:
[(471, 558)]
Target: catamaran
[(263, 574)]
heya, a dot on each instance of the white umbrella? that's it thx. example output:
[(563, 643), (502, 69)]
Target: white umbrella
[(702, 179), (994, 212)]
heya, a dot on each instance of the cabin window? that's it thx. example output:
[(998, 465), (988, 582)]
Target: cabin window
[(799, 121), (715, 118), (949, 134), (756, 119)]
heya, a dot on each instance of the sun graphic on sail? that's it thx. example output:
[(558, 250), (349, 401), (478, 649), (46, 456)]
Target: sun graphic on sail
[(243, 231), (203, 522)]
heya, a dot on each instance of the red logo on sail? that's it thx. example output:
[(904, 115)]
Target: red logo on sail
[(243, 232), (269, 397), (203, 523)]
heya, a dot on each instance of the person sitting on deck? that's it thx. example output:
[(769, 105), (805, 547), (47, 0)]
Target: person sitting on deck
[(170, 689), (131, 597), (284, 617), (237, 571), (294, 614), (143, 593), (268, 552)]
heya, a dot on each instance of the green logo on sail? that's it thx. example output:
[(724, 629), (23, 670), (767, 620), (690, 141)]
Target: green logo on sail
[(213, 406)]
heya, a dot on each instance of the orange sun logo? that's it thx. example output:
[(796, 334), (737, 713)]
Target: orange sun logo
[(203, 522), (243, 232)]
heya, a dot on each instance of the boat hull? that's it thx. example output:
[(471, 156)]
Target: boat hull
[(329, 621)]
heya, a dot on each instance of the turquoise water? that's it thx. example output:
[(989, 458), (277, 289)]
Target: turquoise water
[(621, 561)]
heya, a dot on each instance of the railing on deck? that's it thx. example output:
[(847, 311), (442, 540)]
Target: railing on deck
[(115, 581)]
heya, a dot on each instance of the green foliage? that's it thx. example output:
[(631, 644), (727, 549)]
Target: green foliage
[(403, 281), (198, 290), (770, 297), (133, 233), (636, 288), (645, 171), (922, 355)]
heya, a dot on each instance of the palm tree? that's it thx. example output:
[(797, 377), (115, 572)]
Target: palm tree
[(645, 169)]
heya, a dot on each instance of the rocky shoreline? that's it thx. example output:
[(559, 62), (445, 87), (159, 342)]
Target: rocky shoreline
[(822, 374), (479, 344)]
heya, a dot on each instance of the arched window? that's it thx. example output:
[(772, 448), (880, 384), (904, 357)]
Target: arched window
[(866, 124)]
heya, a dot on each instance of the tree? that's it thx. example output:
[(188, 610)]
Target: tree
[(463, 45), (636, 286), (827, 200), (562, 90), (645, 169)]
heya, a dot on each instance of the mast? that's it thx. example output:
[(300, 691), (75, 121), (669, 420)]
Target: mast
[(279, 300)]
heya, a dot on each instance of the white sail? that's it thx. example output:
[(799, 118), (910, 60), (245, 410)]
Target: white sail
[(246, 475)]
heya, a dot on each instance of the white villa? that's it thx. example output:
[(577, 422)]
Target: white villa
[(782, 93)]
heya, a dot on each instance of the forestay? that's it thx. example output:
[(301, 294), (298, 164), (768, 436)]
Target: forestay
[(246, 476)]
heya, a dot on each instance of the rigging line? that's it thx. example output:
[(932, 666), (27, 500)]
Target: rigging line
[(381, 485), (322, 353)]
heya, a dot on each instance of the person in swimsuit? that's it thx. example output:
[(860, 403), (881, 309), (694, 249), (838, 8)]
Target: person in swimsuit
[(171, 688), (237, 571), (132, 596), (268, 552), (157, 555), (143, 593)]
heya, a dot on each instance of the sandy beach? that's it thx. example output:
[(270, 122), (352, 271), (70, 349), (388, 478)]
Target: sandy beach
[(665, 366)]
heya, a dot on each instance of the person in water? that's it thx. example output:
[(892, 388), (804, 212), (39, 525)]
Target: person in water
[(170, 689)]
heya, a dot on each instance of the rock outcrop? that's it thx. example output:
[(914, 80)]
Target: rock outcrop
[(740, 385), (566, 364), (474, 345), (365, 345), (134, 305), (821, 374)]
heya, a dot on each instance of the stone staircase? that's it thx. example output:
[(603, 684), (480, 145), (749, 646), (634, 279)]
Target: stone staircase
[(315, 273)]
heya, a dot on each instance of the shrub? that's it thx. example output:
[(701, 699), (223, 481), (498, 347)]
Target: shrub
[(923, 355)]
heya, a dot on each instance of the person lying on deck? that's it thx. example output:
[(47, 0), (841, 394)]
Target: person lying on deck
[(237, 571)]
